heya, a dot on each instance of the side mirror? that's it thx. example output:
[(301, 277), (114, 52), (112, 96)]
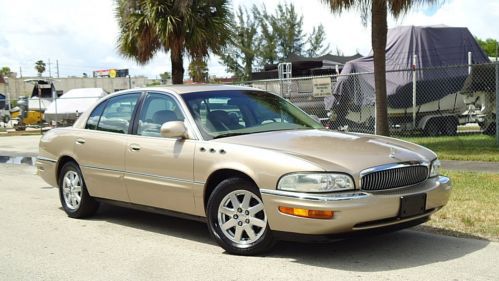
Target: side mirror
[(173, 129)]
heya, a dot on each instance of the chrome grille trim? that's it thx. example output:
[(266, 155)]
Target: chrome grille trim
[(393, 175)]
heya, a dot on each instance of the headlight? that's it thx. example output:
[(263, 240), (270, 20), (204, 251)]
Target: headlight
[(435, 168), (323, 182)]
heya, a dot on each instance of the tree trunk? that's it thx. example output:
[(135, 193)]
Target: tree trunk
[(176, 55), (248, 67), (378, 37)]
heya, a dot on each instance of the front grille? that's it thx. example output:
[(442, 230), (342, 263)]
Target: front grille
[(393, 178)]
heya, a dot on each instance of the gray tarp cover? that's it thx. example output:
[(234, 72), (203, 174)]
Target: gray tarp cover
[(434, 46)]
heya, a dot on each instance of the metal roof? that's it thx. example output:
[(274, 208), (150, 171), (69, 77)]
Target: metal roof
[(184, 89)]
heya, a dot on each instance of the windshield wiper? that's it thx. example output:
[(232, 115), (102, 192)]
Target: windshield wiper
[(257, 132), (229, 135)]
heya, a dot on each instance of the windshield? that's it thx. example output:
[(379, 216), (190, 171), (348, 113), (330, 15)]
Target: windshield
[(228, 113)]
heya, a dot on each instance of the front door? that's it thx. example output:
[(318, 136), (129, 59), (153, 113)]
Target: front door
[(159, 171)]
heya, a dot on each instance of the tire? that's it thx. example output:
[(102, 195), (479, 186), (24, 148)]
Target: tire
[(248, 232), (75, 200), (490, 129), (450, 127), (432, 129)]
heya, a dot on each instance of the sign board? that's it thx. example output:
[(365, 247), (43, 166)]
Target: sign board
[(321, 87), (112, 73)]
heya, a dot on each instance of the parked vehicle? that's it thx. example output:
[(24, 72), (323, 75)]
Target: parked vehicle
[(3, 101), (252, 165), (67, 108), (29, 110), (423, 82), (479, 92), (4, 109), (440, 117)]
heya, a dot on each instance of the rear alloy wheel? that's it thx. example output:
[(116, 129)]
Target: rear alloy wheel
[(75, 200), (72, 190), (237, 218)]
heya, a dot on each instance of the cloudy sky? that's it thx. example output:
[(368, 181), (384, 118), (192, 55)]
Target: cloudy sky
[(81, 34)]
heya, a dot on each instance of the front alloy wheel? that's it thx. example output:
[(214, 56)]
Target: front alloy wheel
[(241, 217), (237, 218)]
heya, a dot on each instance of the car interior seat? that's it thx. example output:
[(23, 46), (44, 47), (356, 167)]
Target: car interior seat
[(163, 116), (222, 121)]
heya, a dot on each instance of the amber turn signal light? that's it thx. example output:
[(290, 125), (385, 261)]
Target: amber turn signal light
[(304, 213)]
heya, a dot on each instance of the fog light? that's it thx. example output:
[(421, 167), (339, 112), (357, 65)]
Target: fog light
[(304, 213)]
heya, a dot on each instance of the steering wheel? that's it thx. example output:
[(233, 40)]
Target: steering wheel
[(269, 120)]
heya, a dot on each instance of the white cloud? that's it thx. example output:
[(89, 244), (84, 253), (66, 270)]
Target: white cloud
[(82, 34), (479, 17)]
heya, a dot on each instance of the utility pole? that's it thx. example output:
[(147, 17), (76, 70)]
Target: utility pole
[(497, 94), (414, 80), (50, 70), (57, 66)]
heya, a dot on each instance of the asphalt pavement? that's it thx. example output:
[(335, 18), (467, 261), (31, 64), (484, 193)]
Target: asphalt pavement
[(39, 242), (26, 146)]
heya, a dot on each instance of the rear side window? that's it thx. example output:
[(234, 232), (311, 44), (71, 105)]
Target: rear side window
[(93, 120), (114, 115)]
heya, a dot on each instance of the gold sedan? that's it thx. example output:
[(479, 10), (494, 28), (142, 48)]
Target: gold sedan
[(252, 165)]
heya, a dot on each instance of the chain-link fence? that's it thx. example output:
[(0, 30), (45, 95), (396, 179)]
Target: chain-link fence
[(427, 101), (420, 101)]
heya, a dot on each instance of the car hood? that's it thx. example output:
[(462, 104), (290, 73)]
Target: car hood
[(336, 151)]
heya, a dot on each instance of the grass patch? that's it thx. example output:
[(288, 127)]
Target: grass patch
[(473, 208), (469, 147)]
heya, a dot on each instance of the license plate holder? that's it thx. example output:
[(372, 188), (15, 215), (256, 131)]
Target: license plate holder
[(412, 205)]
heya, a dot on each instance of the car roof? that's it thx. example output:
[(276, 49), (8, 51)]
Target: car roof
[(184, 89)]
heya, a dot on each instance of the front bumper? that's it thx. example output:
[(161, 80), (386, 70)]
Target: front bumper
[(353, 211)]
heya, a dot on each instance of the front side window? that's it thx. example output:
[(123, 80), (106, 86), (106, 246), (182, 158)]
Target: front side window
[(228, 113), (157, 110), (116, 114)]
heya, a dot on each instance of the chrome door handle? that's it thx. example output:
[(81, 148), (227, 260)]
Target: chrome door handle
[(80, 141), (134, 147)]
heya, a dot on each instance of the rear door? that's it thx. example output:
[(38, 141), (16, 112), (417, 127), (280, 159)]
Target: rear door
[(100, 147), (159, 171)]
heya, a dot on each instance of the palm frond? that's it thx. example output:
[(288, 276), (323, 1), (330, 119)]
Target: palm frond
[(401, 7), (395, 7)]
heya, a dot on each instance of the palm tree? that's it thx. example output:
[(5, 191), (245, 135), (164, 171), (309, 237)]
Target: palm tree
[(198, 70), (377, 11), (40, 67), (195, 27), (5, 71)]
